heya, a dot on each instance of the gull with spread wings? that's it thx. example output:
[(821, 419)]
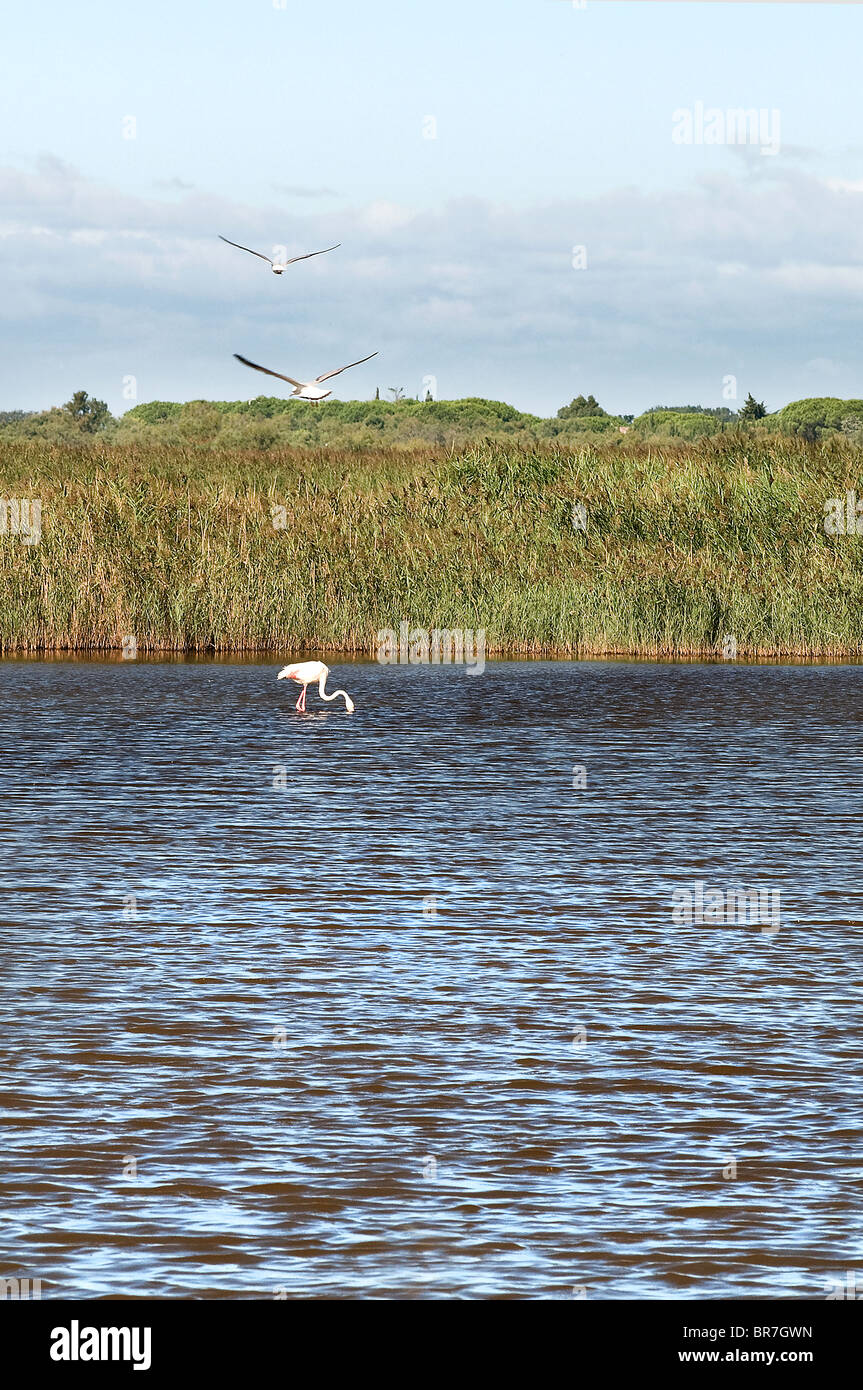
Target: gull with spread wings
[(278, 267), (305, 390)]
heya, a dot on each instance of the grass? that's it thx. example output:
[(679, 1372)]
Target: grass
[(685, 543)]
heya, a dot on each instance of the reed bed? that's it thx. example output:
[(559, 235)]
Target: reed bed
[(684, 545)]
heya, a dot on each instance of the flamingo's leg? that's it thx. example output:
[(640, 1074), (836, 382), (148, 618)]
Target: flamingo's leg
[(300, 705)]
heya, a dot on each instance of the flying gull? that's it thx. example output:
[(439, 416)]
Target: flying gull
[(305, 390), (278, 267)]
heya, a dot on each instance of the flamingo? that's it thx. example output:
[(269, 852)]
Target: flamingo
[(306, 390), (278, 267), (305, 673)]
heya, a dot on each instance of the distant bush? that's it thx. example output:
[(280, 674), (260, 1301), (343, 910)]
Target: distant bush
[(332, 423), (579, 424), (152, 412), (81, 417), (55, 426), (811, 417), (719, 412), (677, 424), (276, 422)]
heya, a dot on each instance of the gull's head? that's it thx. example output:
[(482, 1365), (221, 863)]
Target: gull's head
[(277, 269)]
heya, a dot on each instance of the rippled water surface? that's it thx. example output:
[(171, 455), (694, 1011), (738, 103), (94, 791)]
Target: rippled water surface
[(383, 1005)]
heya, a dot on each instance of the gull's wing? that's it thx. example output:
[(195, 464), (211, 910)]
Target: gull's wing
[(309, 254), (246, 363), (326, 376), (246, 248)]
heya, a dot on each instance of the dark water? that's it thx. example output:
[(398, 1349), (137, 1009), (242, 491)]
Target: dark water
[(240, 1059)]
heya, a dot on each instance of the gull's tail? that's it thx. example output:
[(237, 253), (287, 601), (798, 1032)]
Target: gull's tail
[(349, 704)]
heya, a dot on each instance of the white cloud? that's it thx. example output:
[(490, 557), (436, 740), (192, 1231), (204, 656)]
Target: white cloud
[(824, 366), (819, 279), (386, 217), (291, 190), (679, 291)]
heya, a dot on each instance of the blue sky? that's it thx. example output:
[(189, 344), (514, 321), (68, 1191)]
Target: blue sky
[(552, 129)]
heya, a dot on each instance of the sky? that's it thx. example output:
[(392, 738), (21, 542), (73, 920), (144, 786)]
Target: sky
[(520, 212)]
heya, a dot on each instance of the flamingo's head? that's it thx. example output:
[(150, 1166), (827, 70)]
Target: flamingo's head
[(349, 704)]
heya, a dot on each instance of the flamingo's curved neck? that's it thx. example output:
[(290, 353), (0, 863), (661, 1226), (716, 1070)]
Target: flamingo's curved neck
[(336, 693)]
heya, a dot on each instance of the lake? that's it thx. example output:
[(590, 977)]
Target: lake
[(455, 996)]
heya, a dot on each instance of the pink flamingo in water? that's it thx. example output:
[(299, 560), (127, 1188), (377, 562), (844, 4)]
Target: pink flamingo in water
[(305, 673)]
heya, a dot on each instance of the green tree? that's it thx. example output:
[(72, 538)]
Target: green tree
[(752, 409), (580, 406), (89, 414)]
